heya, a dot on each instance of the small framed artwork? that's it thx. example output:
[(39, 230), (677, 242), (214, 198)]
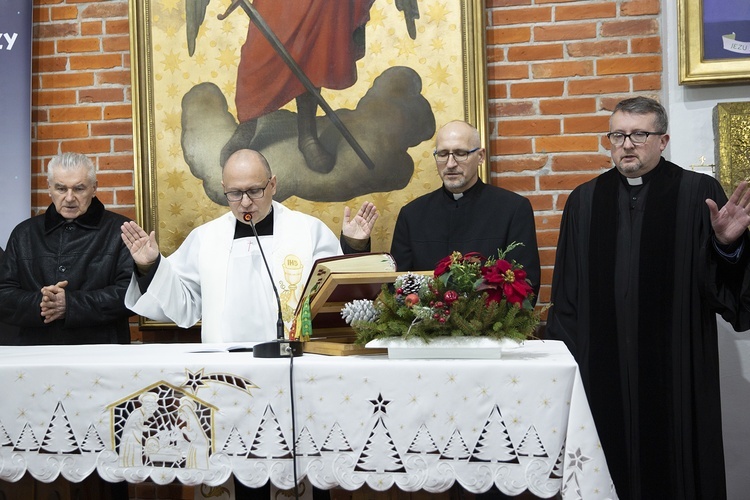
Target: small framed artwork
[(714, 41), (732, 122)]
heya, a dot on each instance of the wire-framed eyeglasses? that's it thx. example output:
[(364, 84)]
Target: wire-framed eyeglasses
[(639, 137), (460, 155), (252, 193)]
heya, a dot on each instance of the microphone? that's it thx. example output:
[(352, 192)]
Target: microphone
[(281, 347)]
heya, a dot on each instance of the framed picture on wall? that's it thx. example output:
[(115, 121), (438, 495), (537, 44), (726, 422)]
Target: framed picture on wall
[(714, 41), (207, 80), (732, 122)]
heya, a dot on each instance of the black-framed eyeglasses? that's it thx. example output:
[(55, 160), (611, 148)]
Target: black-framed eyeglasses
[(460, 155), (252, 193), (618, 138)]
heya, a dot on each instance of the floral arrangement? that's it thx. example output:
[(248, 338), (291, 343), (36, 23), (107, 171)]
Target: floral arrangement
[(468, 295)]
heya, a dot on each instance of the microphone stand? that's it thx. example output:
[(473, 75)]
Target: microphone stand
[(281, 347)]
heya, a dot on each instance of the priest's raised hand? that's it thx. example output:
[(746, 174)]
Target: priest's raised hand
[(360, 226), (143, 247), (733, 219)]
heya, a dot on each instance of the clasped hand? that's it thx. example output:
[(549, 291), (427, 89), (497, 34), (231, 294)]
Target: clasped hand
[(53, 302)]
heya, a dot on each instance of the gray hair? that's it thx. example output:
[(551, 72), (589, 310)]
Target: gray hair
[(645, 106), (71, 161)]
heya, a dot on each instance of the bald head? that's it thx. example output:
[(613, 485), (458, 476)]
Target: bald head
[(246, 158), (247, 172), (459, 127), (462, 140)]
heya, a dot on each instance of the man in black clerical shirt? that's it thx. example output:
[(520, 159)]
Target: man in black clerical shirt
[(464, 214), (645, 261)]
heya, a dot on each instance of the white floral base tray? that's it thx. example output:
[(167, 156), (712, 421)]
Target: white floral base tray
[(445, 347)]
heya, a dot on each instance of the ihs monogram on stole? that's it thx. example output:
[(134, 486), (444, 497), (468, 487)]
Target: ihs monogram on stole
[(292, 266)]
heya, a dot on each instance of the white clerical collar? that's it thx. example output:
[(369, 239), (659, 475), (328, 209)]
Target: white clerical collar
[(634, 181), (456, 196)]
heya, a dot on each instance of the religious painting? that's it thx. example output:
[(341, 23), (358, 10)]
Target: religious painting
[(343, 98), (714, 41), (732, 123)]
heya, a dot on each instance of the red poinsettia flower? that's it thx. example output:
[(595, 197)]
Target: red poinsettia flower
[(494, 294), (495, 275), (443, 266), (503, 280)]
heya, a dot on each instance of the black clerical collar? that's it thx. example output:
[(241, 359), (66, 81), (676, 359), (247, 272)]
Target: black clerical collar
[(631, 182), (469, 192), (264, 227)]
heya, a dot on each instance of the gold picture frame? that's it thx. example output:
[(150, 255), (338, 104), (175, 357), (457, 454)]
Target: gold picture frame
[(732, 121), (448, 54), (694, 67)]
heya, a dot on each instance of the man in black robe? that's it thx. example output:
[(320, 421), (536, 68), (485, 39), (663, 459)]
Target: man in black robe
[(464, 214), (645, 261)]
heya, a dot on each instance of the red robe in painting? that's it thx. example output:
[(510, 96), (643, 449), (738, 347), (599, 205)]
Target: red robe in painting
[(318, 35)]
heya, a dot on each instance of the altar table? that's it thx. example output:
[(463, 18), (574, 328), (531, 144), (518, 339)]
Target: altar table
[(166, 413)]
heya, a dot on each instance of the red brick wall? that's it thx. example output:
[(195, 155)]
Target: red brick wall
[(555, 69), (81, 95)]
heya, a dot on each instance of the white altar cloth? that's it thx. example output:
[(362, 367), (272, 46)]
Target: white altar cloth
[(162, 412)]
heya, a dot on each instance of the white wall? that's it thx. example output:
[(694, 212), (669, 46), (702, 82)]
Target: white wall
[(692, 137), (690, 108)]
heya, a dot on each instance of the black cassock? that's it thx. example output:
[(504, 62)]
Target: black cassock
[(636, 288)]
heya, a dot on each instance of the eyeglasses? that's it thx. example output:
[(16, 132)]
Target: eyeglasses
[(252, 193), (460, 155), (618, 138)]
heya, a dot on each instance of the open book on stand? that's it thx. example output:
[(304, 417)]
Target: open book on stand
[(333, 282)]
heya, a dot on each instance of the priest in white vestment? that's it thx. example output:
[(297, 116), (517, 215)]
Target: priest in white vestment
[(218, 275)]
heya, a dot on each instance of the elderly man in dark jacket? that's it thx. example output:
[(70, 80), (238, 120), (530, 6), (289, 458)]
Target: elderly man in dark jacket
[(64, 273)]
